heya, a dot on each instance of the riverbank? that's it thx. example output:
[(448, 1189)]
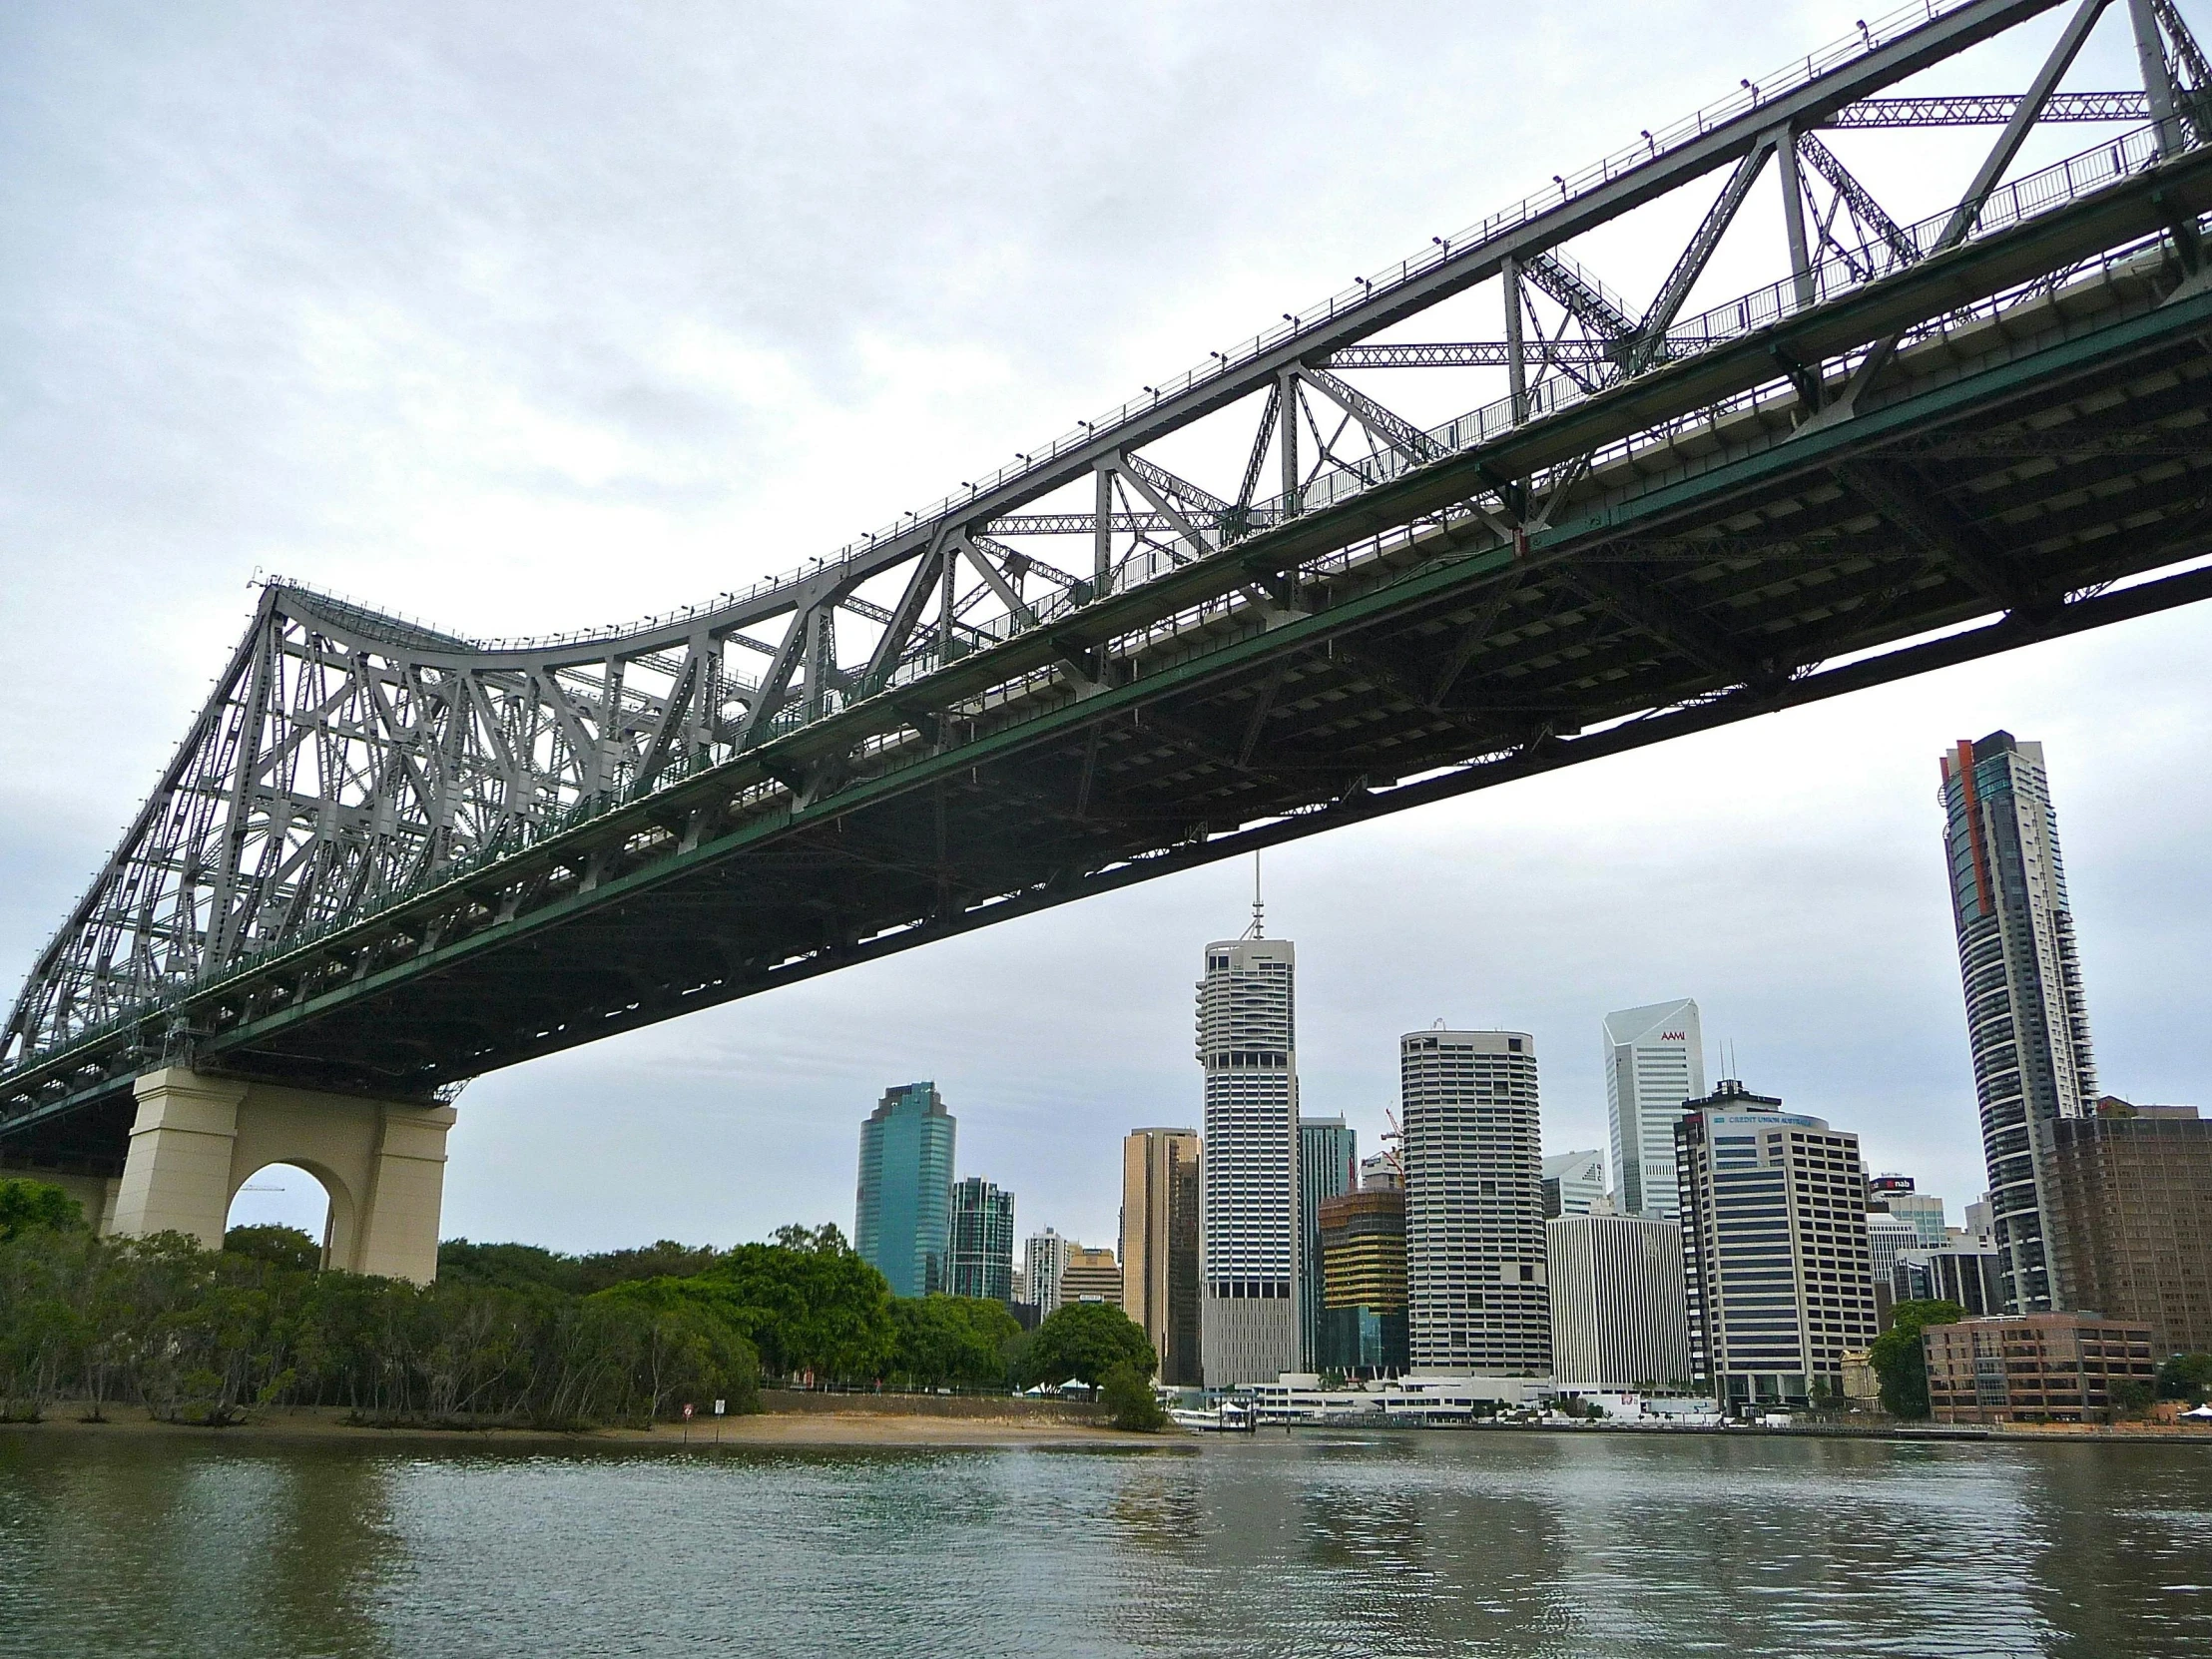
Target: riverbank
[(822, 1420)]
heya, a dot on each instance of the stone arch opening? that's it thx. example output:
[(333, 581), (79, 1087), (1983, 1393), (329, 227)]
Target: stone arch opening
[(300, 1193)]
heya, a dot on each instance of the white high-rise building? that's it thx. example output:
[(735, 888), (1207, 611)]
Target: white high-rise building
[(1888, 1236), (1247, 1176), (1044, 1257), (1475, 1208), (1654, 1061), (1619, 1315), (1573, 1181)]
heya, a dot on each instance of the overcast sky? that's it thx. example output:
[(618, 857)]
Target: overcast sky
[(529, 317)]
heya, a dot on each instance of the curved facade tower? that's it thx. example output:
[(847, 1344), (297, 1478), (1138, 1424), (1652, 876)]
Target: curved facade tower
[(2026, 1014)]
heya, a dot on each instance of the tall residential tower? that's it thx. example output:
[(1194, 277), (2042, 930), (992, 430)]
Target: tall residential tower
[(1475, 1206), (982, 1240), (2025, 1016), (1654, 1061), (1248, 1212)]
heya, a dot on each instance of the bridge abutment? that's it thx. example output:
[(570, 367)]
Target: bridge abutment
[(197, 1139)]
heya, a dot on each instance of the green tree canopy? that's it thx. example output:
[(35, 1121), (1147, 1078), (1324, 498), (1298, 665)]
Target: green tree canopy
[(699, 1347), (810, 1304), (279, 1247), (1900, 1359), (663, 1259), (956, 1340), (1085, 1340), (1130, 1402), (2186, 1376), (512, 1266), (36, 1205)]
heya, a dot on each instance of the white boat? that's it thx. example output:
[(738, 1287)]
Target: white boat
[(1226, 1419)]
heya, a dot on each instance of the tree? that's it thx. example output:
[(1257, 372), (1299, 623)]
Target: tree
[(664, 1260), (36, 1205), (951, 1339), (698, 1342), (515, 1267), (279, 1247), (1085, 1340), (1900, 1358), (2129, 1396), (1130, 1402), (810, 1304), (2186, 1376)]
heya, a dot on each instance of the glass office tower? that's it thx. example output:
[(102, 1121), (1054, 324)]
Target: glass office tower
[(1654, 1061), (904, 1227), (982, 1240), (1328, 1164)]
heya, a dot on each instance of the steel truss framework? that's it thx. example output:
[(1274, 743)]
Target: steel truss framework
[(388, 859)]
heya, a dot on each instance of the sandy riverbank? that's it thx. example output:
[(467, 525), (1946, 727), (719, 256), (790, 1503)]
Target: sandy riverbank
[(868, 1425)]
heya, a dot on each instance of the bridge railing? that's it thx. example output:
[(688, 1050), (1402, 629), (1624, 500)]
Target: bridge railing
[(1869, 37)]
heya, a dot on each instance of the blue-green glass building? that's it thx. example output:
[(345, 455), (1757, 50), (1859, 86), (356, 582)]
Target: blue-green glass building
[(1328, 1164), (982, 1240), (903, 1225)]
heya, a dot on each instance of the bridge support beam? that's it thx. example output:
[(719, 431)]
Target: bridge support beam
[(199, 1138)]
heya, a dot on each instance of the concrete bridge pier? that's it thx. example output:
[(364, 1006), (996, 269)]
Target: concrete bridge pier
[(197, 1139)]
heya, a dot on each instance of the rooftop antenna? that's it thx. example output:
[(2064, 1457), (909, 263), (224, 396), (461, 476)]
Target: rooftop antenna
[(1258, 929)]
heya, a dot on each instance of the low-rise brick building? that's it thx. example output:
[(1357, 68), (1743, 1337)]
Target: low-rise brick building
[(2034, 1367)]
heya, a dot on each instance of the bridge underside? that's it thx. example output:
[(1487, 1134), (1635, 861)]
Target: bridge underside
[(1770, 552)]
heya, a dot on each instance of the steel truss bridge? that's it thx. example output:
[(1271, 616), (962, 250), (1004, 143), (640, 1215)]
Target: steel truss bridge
[(386, 858)]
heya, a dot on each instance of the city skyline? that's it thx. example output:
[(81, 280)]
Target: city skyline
[(697, 434)]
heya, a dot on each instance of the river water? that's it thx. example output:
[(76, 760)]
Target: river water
[(1484, 1542)]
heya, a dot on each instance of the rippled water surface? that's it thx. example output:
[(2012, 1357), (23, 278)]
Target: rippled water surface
[(1440, 1543)]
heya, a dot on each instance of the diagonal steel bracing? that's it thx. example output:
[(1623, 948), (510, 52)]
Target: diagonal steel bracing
[(1650, 515)]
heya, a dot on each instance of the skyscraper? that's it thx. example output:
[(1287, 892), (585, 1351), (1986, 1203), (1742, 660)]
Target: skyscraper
[(1159, 1245), (904, 1227), (1654, 1061), (1248, 1216), (2027, 1018), (1362, 1328), (982, 1240), (1474, 1212), (1618, 1316), (2132, 1202), (1774, 1240), (1573, 1181), (1328, 1164), (1044, 1257)]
